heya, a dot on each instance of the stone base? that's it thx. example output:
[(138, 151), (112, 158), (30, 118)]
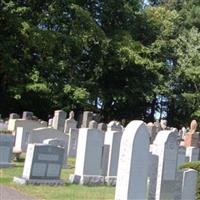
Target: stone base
[(6, 165), (24, 181), (87, 180), (111, 180)]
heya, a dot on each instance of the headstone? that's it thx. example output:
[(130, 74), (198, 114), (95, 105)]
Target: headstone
[(181, 156), (44, 123), (6, 146), (88, 158), (70, 123), (73, 141), (93, 124), (192, 137), (189, 184), (59, 120), (133, 163), (50, 122), (26, 124), (3, 126), (192, 154), (40, 134), (153, 171), (14, 116), (152, 130), (165, 146), (59, 143), (87, 117), (27, 115), (158, 126), (102, 127), (112, 139), (21, 139), (163, 123), (42, 165)]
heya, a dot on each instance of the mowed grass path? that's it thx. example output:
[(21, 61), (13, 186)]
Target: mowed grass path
[(68, 191)]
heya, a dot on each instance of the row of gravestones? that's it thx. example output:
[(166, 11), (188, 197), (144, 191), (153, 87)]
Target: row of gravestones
[(97, 160), (145, 171)]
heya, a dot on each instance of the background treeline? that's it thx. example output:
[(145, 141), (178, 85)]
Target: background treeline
[(125, 59)]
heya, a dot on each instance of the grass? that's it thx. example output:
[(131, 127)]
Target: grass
[(68, 191)]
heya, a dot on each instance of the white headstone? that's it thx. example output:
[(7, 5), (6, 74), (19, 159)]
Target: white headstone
[(21, 138), (189, 184), (165, 146), (181, 156), (73, 141), (26, 124), (59, 120), (113, 139), (133, 163), (89, 153), (192, 153), (70, 123)]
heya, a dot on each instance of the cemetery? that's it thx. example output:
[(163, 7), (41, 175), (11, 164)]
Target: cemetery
[(138, 161), (100, 100)]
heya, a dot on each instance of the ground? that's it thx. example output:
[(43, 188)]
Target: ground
[(68, 191)]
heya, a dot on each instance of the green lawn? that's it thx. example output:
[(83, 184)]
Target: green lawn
[(68, 192)]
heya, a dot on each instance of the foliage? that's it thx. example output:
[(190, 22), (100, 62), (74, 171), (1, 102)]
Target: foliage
[(122, 59)]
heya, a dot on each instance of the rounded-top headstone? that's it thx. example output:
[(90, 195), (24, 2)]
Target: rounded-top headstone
[(44, 123), (102, 127), (163, 124), (150, 124), (71, 115), (133, 162), (14, 116), (114, 126), (93, 124), (193, 126), (27, 115)]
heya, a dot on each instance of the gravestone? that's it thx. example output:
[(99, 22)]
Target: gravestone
[(70, 123), (73, 141), (59, 143), (44, 123), (102, 127), (40, 134), (88, 158), (21, 139), (3, 126), (59, 120), (181, 156), (27, 115), (165, 146), (6, 146), (14, 116), (192, 154), (87, 117), (26, 124), (152, 130), (163, 124), (189, 184), (133, 163), (112, 140), (192, 137), (42, 165), (93, 124), (50, 122), (153, 171), (158, 126)]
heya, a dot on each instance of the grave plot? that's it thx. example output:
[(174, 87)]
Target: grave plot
[(6, 147), (42, 165)]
